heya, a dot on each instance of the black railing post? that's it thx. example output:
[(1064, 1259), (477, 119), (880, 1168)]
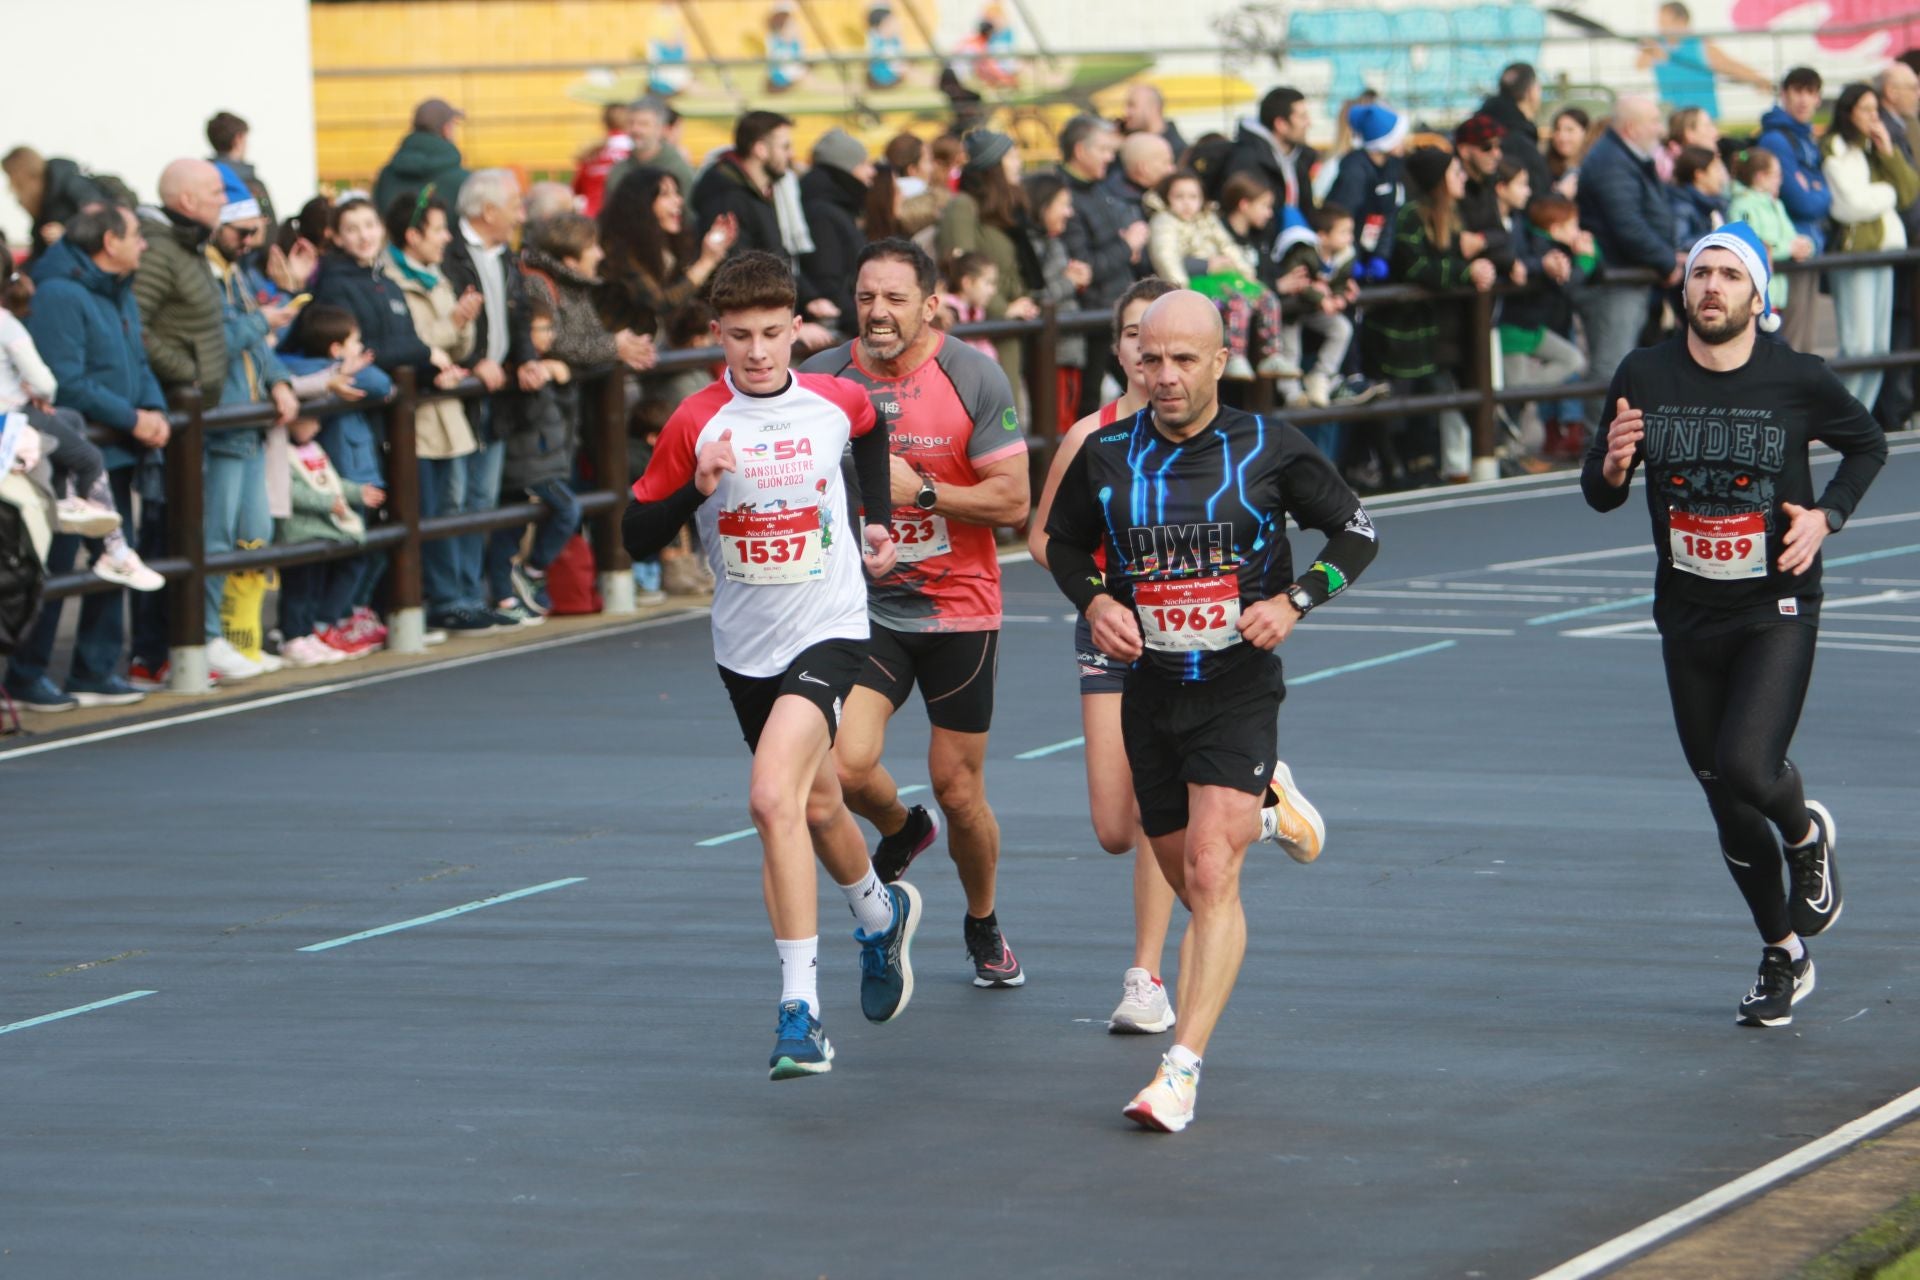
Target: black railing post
[(1480, 379), (1043, 373), (186, 476), (607, 412), (408, 623)]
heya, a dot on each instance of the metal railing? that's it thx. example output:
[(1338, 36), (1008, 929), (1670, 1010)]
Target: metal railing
[(603, 401)]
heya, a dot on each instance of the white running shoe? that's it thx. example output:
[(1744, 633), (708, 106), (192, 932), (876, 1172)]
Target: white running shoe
[(1167, 1103), (1293, 823), (1239, 369), (128, 570), (1143, 1008), (310, 651), (88, 519), (1319, 389), (228, 663)]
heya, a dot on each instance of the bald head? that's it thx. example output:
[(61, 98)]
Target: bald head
[(1637, 119), (1899, 89), (1182, 354), (1146, 158), (194, 190), (1146, 109)]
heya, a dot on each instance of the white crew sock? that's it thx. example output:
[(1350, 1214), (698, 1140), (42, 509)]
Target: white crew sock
[(871, 904), (1181, 1056), (1795, 948), (799, 971)]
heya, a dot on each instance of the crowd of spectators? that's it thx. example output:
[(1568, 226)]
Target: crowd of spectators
[(466, 279)]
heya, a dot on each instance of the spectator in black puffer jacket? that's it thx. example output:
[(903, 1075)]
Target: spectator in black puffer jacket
[(1103, 233), (1516, 107), (539, 429), (833, 195), (350, 276)]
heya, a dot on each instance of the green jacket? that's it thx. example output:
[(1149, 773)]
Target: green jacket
[(311, 495), (1771, 222), (182, 321), (422, 157)]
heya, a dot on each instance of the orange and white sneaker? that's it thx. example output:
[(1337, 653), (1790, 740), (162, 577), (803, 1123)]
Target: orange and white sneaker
[(1167, 1103), (1291, 821)]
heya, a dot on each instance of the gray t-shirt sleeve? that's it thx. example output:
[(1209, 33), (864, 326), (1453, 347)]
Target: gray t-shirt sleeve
[(983, 388)]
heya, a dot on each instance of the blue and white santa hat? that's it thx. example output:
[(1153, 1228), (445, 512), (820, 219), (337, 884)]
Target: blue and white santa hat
[(240, 203), (1744, 243), (1294, 229), (1376, 127)]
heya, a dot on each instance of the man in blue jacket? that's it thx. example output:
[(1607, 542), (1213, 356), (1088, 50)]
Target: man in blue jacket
[(87, 327), (1787, 131), (1624, 205)]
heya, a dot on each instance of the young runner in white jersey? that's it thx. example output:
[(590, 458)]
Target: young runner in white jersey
[(1144, 1008), (757, 456)]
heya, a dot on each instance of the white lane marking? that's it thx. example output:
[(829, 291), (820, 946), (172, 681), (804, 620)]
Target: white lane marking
[(1622, 1247), (1490, 597), (1647, 624), (1449, 504), (1867, 522), (713, 841), (1414, 631), (1578, 557), (1607, 607), (77, 1009), (343, 686), (448, 914), (1051, 748)]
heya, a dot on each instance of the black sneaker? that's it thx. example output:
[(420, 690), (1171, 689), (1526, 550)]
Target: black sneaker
[(1814, 901), (994, 964), (1783, 983), (897, 851), (460, 622), (886, 960)]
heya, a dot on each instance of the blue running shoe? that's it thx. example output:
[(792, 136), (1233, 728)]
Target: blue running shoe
[(800, 1047), (886, 965)]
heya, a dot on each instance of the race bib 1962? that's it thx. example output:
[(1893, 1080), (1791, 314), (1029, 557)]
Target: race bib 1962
[(770, 548), (1729, 548), (1195, 613)]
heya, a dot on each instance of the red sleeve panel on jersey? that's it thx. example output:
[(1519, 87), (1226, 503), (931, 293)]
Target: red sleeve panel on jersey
[(850, 397), (673, 457)]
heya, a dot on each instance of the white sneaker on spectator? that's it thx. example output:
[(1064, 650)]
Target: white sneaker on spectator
[(269, 663), (88, 519), (1278, 366), (1319, 388), (1239, 369), (128, 570), (307, 651), (228, 663), (428, 639)]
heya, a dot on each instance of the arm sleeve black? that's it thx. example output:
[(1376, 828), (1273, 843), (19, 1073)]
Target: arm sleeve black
[(1851, 429), (1320, 499), (648, 526), (1600, 495), (1072, 536), (873, 473)]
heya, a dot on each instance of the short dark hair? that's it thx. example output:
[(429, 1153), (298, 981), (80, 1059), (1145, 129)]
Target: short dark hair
[(900, 249), (88, 230), (963, 265), (904, 151), (1691, 163), (1507, 171), (1517, 80), (1077, 130), (321, 327), (345, 207), (1801, 78), (754, 128), (1164, 189), (1549, 211), (1151, 289), (1240, 188), (1278, 104), (408, 212), (1327, 216), (539, 305), (752, 281), (565, 235), (1674, 9), (224, 130), (1750, 162)]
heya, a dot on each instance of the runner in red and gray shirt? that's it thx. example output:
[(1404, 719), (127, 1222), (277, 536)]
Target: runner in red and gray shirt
[(959, 469)]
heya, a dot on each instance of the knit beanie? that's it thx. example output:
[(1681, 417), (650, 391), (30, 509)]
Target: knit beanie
[(1744, 243), (838, 149), (1377, 127), (239, 199), (1427, 168), (985, 147)]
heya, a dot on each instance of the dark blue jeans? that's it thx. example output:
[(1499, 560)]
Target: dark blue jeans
[(550, 533)]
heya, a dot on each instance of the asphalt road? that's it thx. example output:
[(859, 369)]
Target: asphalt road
[(1492, 1027)]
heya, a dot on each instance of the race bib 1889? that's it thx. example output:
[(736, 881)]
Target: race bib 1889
[(1729, 548), (770, 548), (1195, 613)]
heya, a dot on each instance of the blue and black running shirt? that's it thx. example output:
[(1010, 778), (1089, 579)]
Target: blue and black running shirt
[(1195, 531)]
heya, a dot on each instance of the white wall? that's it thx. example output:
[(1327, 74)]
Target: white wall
[(139, 90)]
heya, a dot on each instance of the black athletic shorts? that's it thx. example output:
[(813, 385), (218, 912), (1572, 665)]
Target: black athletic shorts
[(823, 674), (1099, 673), (954, 669), (1220, 733)]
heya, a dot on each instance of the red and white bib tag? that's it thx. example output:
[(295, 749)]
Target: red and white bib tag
[(919, 535), (1193, 613), (1727, 548), (772, 548)]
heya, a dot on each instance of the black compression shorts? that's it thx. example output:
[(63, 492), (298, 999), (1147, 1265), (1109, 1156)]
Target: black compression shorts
[(954, 669), (823, 674), (1221, 733), (1099, 673)]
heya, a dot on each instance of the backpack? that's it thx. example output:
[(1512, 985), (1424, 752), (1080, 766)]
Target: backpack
[(22, 578), (573, 580)]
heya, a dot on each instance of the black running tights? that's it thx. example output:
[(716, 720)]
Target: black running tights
[(1736, 702)]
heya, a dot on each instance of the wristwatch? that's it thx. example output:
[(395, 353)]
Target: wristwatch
[(1297, 597), (926, 497), (1834, 519)]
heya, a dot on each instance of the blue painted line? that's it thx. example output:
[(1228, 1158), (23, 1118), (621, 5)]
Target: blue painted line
[(1368, 663), (448, 914), (1864, 556), (1609, 607), (73, 1012), (1037, 752), (744, 832)]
